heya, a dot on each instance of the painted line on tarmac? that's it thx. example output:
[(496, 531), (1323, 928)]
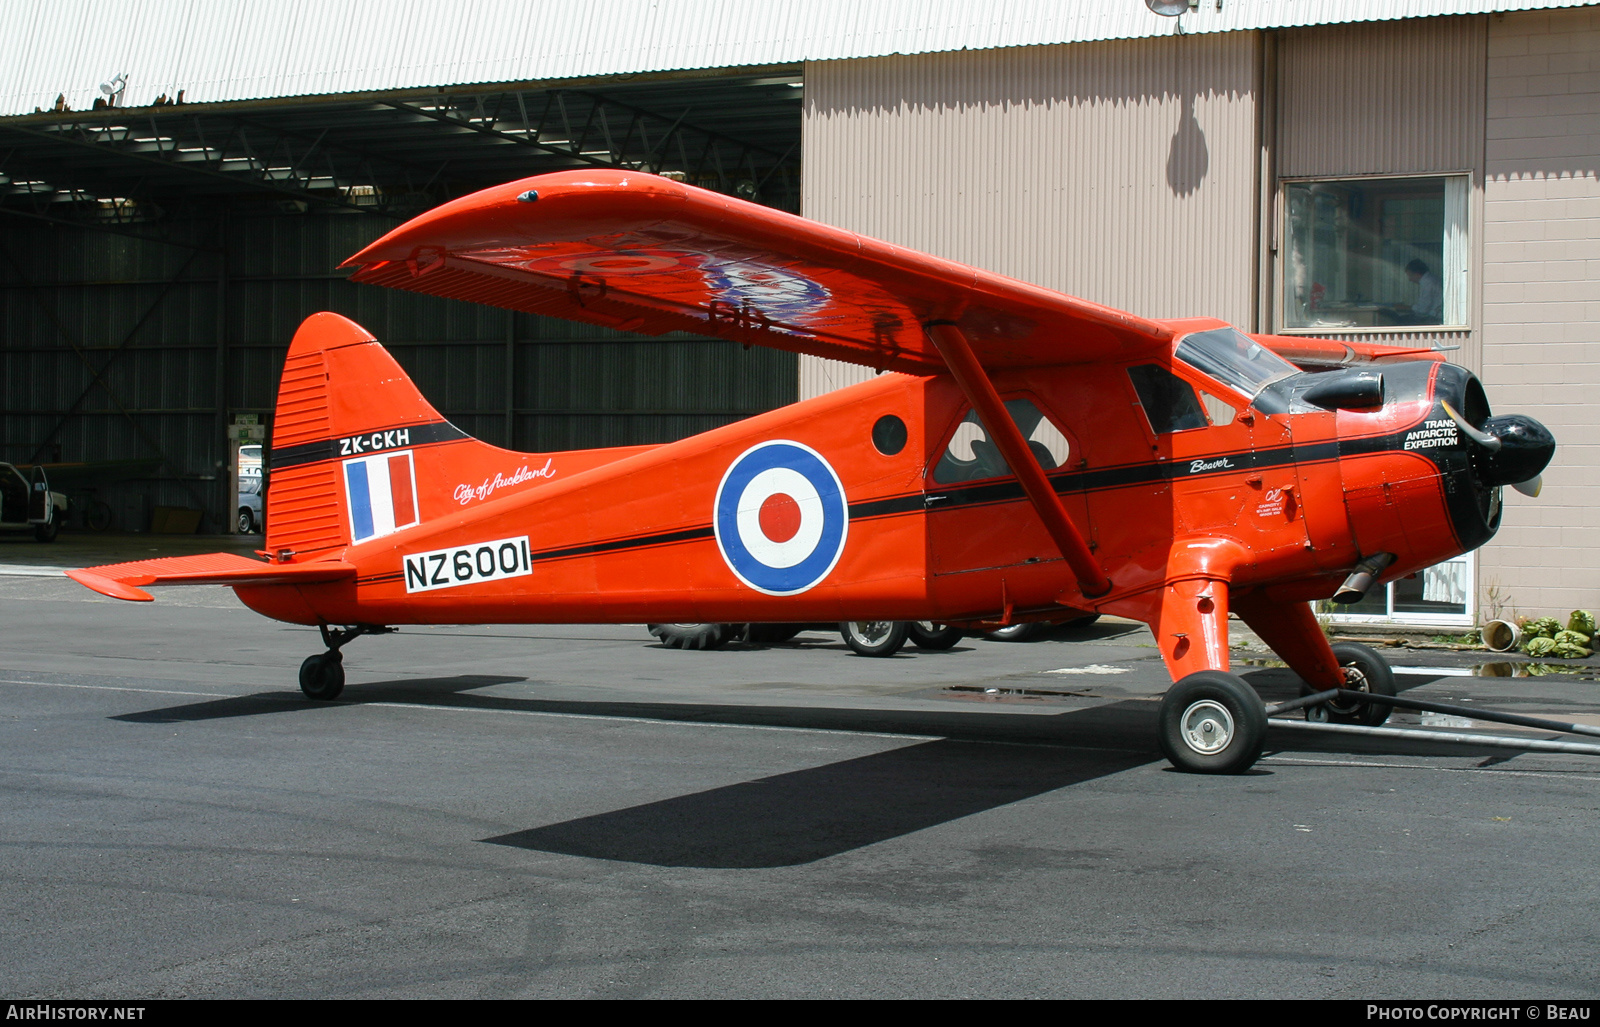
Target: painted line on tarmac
[(23, 570), (120, 688), (1301, 761)]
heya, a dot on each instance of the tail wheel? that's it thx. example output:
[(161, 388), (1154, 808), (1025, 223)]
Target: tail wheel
[(322, 676), (926, 634), (1364, 671), (874, 637), (694, 636), (1212, 723)]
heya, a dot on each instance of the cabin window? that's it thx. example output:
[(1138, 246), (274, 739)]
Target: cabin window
[(1169, 402), (1220, 411), (889, 435), (1374, 253), (972, 456)]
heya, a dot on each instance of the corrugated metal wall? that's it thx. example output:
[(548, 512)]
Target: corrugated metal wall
[(1392, 98), (66, 290), (219, 51), (1387, 98), (1123, 172)]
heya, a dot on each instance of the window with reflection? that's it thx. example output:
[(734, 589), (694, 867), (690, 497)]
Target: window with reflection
[(972, 456), (1375, 253)]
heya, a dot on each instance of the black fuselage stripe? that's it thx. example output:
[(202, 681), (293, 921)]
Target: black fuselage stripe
[(1010, 490)]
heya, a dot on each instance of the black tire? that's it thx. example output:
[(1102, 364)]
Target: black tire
[(1364, 671), (772, 634), (247, 522), (928, 635), (322, 676), (47, 531), (1212, 723), (874, 637), (1024, 632), (99, 516), (693, 636), (1081, 622)]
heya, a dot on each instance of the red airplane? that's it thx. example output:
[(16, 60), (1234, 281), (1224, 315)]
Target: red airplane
[(1034, 456)]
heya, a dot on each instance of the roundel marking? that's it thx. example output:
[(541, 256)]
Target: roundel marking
[(780, 517)]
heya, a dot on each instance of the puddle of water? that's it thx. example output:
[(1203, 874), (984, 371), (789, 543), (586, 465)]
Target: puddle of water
[(996, 694), (1446, 720), (1501, 669), (1508, 669)]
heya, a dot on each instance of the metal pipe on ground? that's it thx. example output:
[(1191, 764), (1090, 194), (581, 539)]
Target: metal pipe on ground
[(1435, 735)]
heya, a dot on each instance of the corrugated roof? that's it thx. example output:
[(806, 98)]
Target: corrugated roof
[(279, 48)]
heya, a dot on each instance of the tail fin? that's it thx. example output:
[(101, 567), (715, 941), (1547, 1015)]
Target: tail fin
[(345, 437), (358, 453)]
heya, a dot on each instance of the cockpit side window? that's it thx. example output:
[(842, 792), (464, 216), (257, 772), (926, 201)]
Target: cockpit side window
[(1169, 402), (972, 456)]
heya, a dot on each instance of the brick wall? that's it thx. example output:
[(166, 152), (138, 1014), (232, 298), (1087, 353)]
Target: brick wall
[(1541, 295)]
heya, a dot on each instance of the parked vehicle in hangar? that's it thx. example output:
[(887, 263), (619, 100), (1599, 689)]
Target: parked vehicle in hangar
[(27, 503)]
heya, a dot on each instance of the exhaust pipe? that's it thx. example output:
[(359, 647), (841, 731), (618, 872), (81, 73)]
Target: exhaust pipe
[(1355, 586)]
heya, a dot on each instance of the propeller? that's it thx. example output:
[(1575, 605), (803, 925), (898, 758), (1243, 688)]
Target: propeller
[(1477, 435), (1518, 449)]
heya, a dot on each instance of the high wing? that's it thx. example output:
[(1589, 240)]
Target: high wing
[(641, 253)]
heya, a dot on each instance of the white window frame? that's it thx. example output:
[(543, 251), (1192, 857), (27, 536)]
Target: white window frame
[(1389, 616), (1455, 275)]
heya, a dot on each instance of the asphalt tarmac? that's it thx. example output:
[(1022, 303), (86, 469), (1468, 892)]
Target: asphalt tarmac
[(577, 812)]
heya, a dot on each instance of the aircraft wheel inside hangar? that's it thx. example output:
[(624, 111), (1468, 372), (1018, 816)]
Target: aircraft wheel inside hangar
[(874, 637), (691, 636), (1212, 723), (1364, 671), (926, 634), (322, 675)]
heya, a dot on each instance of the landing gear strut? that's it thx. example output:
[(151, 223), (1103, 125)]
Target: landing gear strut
[(322, 674)]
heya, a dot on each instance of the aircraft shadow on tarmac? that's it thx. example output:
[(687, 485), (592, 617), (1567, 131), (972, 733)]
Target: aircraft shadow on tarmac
[(811, 814)]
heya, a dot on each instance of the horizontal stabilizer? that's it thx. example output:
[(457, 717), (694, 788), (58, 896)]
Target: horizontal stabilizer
[(122, 580)]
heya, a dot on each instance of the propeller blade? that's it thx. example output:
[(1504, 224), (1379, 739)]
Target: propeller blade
[(1477, 435), (1530, 487)]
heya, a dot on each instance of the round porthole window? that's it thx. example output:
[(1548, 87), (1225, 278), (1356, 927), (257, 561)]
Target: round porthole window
[(889, 435)]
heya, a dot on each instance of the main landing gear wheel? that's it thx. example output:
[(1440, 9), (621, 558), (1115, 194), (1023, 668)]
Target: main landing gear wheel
[(1364, 671), (692, 636), (874, 637), (1212, 723), (322, 676), (926, 634)]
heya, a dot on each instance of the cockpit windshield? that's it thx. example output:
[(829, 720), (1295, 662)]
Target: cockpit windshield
[(1235, 359)]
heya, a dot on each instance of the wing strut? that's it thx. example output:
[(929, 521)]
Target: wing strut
[(980, 392)]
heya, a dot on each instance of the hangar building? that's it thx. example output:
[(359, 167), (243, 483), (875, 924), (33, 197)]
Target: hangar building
[(179, 181)]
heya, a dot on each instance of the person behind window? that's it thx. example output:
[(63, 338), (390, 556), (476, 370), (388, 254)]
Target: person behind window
[(1427, 308)]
